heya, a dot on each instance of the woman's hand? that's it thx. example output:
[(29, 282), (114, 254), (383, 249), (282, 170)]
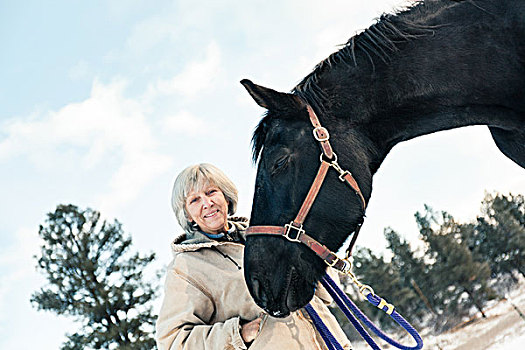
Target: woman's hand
[(250, 330)]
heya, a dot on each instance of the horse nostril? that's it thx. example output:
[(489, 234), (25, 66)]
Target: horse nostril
[(259, 293)]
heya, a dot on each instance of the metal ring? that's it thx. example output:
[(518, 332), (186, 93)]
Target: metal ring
[(330, 160), (364, 288)]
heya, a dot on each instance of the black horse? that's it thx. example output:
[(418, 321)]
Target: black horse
[(438, 65)]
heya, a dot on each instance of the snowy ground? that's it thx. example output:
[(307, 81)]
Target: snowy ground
[(503, 329)]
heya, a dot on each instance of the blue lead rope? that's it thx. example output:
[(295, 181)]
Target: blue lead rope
[(346, 305), (327, 336)]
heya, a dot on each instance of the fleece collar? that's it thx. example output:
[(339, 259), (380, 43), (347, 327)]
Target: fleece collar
[(192, 241)]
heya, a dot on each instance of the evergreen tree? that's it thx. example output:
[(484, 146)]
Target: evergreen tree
[(460, 281), (94, 278), (500, 234), (413, 272)]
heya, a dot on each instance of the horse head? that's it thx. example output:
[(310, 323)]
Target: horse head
[(282, 275)]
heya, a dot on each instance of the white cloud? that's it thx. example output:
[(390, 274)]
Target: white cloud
[(104, 126), (185, 123), (195, 77), (136, 171)]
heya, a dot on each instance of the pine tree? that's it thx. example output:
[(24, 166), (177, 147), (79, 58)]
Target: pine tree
[(500, 233), (93, 278), (460, 281), (413, 272)]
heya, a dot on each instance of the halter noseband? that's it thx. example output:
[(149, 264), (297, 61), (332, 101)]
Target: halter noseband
[(294, 231)]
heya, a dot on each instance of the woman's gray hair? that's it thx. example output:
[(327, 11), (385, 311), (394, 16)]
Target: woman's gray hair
[(194, 178)]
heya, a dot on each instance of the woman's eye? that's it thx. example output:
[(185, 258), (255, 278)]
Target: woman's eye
[(210, 192), (193, 200)]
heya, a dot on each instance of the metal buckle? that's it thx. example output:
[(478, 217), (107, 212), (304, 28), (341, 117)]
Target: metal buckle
[(289, 228), (343, 174), (332, 264), (321, 129), (347, 267)]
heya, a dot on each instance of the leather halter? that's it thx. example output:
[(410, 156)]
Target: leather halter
[(294, 231)]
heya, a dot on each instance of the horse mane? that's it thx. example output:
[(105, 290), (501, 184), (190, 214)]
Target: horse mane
[(380, 40), (258, 137)]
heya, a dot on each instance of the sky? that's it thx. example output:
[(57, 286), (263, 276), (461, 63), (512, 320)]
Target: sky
[(103, 103)]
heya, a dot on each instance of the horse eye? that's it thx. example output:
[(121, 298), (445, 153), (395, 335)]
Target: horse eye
[(280, 163)]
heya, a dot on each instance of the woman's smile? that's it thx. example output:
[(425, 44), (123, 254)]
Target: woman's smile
[(211, 214)]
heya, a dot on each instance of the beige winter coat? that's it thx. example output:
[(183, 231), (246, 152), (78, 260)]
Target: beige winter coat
[(206, 296)]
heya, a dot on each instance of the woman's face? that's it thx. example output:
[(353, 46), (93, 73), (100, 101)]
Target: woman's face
[(208, 208)]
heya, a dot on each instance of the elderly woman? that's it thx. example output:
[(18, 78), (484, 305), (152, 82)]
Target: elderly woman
[(206, 303)]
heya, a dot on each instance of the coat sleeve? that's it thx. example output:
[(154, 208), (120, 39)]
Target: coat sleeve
[(185, 316)]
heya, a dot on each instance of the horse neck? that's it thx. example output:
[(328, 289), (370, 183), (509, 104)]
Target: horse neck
[(432, 83)]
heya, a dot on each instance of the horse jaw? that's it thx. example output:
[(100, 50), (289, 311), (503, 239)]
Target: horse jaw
[(279, 286)]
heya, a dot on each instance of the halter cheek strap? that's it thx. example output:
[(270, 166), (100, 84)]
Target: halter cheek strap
[(294, 231)]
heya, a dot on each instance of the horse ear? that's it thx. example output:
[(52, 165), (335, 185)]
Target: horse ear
[(271, 99)]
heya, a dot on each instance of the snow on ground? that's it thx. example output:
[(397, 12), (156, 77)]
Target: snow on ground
[(503, 329), (513, 343)]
